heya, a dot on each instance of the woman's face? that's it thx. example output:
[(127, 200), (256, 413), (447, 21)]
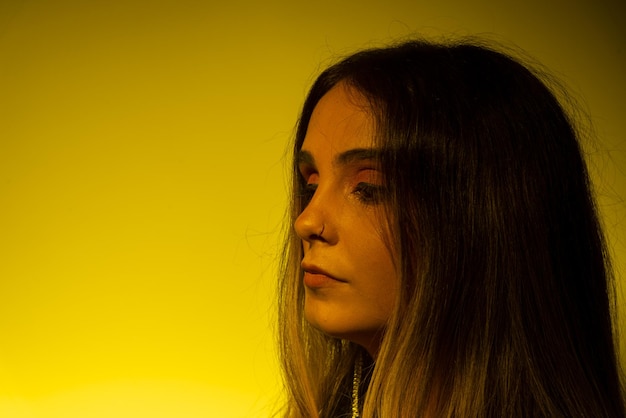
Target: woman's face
[(350, 280)]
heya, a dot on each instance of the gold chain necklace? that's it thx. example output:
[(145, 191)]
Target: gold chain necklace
[(356, 382)]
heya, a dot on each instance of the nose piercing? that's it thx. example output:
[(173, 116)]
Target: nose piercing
[(322, 231)]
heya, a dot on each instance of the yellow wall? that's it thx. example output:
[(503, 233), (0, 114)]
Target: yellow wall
[(141, 181)]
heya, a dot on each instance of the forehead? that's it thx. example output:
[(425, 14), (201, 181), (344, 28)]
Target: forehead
[(340, 121)]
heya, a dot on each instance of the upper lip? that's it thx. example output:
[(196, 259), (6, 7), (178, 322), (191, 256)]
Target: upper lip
[(313, 269)]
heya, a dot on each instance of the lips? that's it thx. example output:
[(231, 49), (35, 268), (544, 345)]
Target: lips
[(315, 277), (311, 269)]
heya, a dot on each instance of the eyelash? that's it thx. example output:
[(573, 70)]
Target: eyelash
[(306, 193), (366, 193), (369, 193)]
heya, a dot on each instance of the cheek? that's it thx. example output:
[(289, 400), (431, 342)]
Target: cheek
[(374, 254), (380, 279)]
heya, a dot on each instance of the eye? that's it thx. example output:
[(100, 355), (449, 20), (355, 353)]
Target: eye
[(305, 193), (369, 193)]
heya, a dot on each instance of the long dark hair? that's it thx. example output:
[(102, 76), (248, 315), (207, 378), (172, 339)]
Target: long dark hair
[(504, 307)]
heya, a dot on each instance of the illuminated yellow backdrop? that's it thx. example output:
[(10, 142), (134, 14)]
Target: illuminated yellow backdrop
[(142, 181)]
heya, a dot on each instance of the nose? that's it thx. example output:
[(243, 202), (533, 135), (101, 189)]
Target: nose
[(311, 224)]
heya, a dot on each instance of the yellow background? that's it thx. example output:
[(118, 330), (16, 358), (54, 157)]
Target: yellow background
[(142, 181)]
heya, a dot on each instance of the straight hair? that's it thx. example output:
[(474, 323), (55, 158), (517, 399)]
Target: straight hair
[(504, 307)]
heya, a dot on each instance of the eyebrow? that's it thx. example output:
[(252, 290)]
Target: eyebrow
[(344, 158)]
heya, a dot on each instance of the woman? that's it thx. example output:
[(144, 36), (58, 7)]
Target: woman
[(446, 258)]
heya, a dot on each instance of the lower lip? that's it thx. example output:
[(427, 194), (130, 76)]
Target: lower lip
[(315, 281)]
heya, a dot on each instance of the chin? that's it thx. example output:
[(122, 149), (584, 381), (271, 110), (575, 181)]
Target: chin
[(368, 338)]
